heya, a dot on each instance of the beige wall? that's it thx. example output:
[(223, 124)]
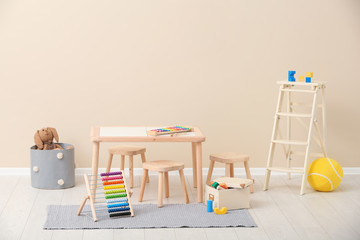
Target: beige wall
[(74, 64)]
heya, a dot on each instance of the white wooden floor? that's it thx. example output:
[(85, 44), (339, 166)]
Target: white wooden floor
[(280, 212)]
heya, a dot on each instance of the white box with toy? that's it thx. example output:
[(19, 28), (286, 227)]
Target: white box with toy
[(237, 195)]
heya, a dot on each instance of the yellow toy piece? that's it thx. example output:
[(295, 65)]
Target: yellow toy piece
[(220, 212), (325, 174), (301, 79), (309, 74)]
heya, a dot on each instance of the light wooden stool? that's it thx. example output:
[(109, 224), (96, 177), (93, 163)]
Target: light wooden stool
[(163, 167), (126, 150), (229, 158)]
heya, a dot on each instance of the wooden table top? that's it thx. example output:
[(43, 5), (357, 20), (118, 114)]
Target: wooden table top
[(139, 134)]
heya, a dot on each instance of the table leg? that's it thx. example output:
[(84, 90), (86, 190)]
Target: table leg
[(227, 169), (199, 172), (122, 163), (94, 166), (193, 146), (131, 171), (167, 192)]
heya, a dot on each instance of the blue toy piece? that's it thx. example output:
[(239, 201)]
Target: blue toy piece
[(308, 80), (291, 76), (209, 206)]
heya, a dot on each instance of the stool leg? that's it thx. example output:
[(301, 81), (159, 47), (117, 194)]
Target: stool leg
[(160, 189), (211, 168), (231, 170), (183, 184), (193, 148), (108, 167), (248, 175), (131, 170), (167, 193), (143, 159), (143, 183), (227, 169), (122, 164)]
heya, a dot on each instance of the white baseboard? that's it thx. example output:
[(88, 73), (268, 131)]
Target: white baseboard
[(187, 171)]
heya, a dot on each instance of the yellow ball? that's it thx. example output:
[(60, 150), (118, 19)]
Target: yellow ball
[(325, 174)]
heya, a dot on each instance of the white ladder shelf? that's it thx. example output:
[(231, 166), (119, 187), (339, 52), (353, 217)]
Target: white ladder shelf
[(289, 88)]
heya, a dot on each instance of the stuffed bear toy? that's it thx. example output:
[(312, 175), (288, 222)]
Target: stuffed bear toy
[(44, 139)]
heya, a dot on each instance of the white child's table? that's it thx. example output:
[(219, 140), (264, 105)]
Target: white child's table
[(138, 134)]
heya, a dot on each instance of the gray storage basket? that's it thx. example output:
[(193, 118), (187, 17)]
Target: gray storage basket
[(52, 169)]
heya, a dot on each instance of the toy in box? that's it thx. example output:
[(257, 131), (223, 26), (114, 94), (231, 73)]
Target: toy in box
[(237, 195)]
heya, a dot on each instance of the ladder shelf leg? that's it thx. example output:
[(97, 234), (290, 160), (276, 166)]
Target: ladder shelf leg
[(307, 152), (272, 145), (288, 152)]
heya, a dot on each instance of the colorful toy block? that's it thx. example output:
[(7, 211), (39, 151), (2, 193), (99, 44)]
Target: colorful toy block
[(220, 211), (291, 77), (309, 74), (301, 79), (209, 206)]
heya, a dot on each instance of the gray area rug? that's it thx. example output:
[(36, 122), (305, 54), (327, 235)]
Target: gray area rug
[(147, 216)]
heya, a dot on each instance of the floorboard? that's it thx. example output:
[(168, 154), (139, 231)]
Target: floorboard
[(97, 234), (7, 186), (160, 234), (220, 233), (270, 217), (319, 206), (295, 211), (346, 207), (129, 234), (35, 221), (17, 209), (190, 233)]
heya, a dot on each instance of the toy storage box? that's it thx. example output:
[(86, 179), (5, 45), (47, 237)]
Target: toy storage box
[(235, 198), (52, 169)]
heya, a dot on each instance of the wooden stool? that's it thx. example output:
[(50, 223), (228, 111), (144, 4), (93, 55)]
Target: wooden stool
[(126, 150), (163, 167), (229, 158)]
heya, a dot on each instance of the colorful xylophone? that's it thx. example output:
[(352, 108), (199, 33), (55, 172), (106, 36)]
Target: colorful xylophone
[(168, 130), (110, 194)]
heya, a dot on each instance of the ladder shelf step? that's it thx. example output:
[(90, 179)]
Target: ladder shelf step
[(298, 90), (317, 84), (289, 142), (310, 154), (283, 169), (304, 104), (294, 114)]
